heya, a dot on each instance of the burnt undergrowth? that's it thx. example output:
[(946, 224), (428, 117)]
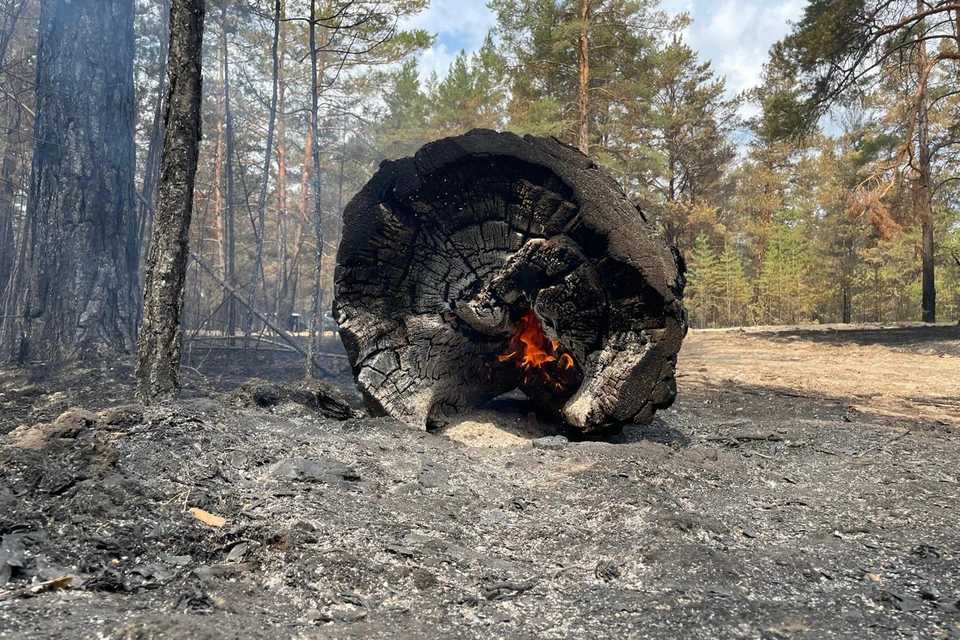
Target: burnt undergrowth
[(744, 511)]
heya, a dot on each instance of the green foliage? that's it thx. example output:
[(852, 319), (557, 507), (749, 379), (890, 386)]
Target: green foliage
[(718, 292), (703, 277), (816, 64), (734, 289), (541, 39), (473, 93), (792, 232), (783, 290), (676, 150), (402, 129)]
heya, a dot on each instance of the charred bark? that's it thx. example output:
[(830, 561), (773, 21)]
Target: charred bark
[(76, 285), (158, 373), (923, 197), (486, 243), (282, 257)]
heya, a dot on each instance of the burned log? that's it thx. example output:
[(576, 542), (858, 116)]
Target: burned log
[(489, 262)]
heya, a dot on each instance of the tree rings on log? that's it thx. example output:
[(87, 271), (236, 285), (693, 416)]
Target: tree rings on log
[(489, 262)]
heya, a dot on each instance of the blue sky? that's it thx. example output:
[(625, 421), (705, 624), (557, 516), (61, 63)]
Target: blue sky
[(734, 34)]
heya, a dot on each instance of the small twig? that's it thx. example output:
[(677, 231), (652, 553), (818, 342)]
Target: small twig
[(194, 369), (896, 438), (176, 497), (791, 394), (563, 570), (497, 590), (63, 582), (769, 437)]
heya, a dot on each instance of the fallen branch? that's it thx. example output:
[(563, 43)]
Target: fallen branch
[(281, 333)]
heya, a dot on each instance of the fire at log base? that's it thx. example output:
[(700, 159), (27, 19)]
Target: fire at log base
[(489, 262)]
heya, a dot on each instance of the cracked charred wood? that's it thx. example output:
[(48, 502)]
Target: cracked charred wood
[(489, 262)]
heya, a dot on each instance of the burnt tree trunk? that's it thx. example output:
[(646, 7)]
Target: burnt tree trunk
[(923, 197), (77, 284), (490, 262), (282, 257), (158, 373), (292, 280), (8, 240), (219, 223)]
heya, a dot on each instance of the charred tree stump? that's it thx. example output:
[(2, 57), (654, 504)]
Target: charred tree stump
[(490, 262)]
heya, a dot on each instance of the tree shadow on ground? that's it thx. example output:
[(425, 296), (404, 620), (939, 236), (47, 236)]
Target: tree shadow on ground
[(728, 404), (940, 338), (658, 431)]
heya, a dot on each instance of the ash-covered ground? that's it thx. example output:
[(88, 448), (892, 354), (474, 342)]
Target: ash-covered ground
[(805, 485)]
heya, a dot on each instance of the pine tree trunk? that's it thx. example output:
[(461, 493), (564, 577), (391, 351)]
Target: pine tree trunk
[(7, 238), (927, 251), (220, 223), (158, 373), (343, 163), (77, 285), (923, 200), (229, 218), (766, 220), (262, 200), (292, 280), (218, 186), (151, 172), (583, 55), (316, 301), (282, 257)]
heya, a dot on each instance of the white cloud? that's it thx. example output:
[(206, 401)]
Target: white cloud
[(737, 36), (435, 59), (459, 24)]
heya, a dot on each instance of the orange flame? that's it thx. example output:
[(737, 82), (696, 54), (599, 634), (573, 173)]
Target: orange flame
[(531, 350)]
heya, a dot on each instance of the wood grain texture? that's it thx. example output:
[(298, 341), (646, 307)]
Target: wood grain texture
[(443, 253)]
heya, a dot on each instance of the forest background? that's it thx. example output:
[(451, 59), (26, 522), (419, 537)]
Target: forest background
[(836, 202)]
